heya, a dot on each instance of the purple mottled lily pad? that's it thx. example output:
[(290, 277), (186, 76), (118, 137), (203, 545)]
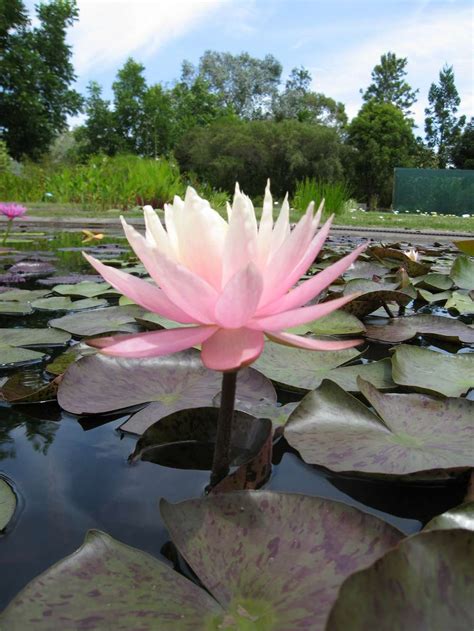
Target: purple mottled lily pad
[(426, 582), (100, 383), (402, 329), (458, 517), (32, 269), (106, 584), (407, 433), (100, 321), (70, 279), (277, 558), (430, 371)]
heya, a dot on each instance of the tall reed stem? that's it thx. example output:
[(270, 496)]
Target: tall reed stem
[(221, 461)]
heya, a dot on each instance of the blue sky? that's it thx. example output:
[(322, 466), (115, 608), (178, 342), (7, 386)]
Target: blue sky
[(339, 41)]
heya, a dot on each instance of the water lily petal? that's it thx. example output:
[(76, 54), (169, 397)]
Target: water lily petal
[(240, 247), (288, 319), (239, 298), (281, 230), (153, 343), (290, 339), (155, 232), (265, 229), (310, 288), (232, 349), (145, 294)]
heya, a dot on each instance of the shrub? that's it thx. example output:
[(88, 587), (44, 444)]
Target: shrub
[(335, 194)]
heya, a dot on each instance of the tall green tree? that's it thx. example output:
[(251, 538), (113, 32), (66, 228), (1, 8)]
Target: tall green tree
[(442, 127), (36, 75), (129, 92), (246, 84), (298, 102), (463, 150), (389, 84), (383, 139), (98, 134)]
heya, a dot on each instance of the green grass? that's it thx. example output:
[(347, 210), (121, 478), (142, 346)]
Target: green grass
[(335, 195)]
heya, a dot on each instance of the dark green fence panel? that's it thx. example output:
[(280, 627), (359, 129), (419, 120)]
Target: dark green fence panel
[(445, 191)]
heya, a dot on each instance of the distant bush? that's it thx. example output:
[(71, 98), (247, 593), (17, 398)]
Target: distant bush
[(335, 194), (252, 151)]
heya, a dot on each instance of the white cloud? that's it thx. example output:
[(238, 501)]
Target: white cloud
[(109, 31), (429, 39)]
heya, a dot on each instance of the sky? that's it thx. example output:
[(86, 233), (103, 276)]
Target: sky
[(339, 41)]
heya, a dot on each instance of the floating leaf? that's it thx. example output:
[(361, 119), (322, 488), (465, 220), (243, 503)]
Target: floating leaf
[(466, 246), (32, 269), (63, 361), (397, 258), (100, 321), (458, 517), (424, 583), (336, 323), (434, 281), (86, 288), (430, 371), (64, 303), (25, 388), (15, 308), (101, 383), (23, 295), (460, 302), (13, 356), (70, 279), (365, 269), (441, 296), (378, 373), (33, 338), (371, 300), (7, 503), (462, 272), (413, 432), (155, 321), (402, 329)]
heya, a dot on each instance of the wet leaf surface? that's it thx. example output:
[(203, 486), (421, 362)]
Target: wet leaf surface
[(7, 503), (86, 288), (33, 337), (13, 356), (412, 432), (336, 323), (405, 328), (99, 321), (459, 517), (462, 272)]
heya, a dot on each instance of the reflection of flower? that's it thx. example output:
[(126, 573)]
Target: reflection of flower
[(231, 279), (91, 236), (412, 254), (12, 211)]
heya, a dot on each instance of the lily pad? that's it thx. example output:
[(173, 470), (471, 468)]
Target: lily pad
[(101, 383), (86, 288), (430, 297), (378, 373), (424, 583), (371, 300), (462, 272), (397, 258), (100, 321), (309, 545), (300, 368), (336, 323), (33, 338), (13, 356), (60, 364), (430, 371), (64, 303), (10, 307), (405, 328), (23, 388), (7, 503), (411, 433), (435, 281), (32, 269), (70, 279), (24, 295), (458, 517), (466, 246), (460, 302)]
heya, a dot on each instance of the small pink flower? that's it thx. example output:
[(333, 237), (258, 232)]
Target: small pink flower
[(233, 281), (12, 210)]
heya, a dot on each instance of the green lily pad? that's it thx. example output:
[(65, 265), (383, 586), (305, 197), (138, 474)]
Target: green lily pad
[(406, 328), (269, 561), (86, 288), (411, 433), (100, 321), (10, 307), (13, 356), (430, 371), (424, 583), (458, 517), (435, 281), (33, 338), (462, 272), (300, 368), (336, 323), (100, 383), (466, 246), (374, 295), (378, 373), (397, 258), (24, 295), (7, 504), (152, 320), (63, 361), (460, 302), (441, 296), (64, 303)]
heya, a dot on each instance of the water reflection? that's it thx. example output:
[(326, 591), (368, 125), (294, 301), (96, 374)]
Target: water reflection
[(38, 432)]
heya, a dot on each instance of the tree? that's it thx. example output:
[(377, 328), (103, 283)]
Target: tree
[(35, 75), (442, 127), (463, 150), (98, 134), (129, 93), (383, 139), (389, 84), (246, 84), (300, 103), (157, 128)]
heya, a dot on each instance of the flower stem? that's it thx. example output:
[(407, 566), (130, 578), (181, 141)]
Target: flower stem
[(221, 461), (7, 231)]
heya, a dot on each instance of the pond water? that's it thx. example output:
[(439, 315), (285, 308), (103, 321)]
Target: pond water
[(71, 474)]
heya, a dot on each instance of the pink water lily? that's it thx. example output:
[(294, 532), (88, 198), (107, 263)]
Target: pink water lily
[(12, 211), (233, 281)]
